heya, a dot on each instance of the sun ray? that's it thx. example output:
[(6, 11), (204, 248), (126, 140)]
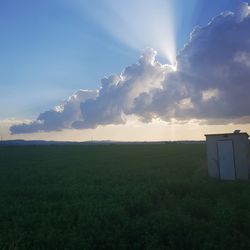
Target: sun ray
[(141, 24)]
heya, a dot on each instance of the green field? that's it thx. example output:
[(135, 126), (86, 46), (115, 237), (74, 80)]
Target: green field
[(118, 197)]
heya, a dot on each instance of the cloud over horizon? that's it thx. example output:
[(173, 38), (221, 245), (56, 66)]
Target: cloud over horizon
[(212, 83)]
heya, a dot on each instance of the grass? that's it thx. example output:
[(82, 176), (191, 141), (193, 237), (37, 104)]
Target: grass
[(118, 197)]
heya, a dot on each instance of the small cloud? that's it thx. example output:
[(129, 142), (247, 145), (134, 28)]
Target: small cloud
[(243, 58), (11, 121), (243, 11), (210, 94), (185, 103)]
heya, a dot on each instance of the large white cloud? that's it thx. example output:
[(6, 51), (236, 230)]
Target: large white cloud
[(118, 92), (213, 77), (212, 83)]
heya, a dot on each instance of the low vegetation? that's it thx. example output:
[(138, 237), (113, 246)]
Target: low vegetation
[(118, 197)]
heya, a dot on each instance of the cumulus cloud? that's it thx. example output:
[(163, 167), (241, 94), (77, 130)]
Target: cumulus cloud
[(118, 92), (212, 83), (213, 77), (59, 118)]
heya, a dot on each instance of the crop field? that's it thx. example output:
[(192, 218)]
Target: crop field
[(118, 197)]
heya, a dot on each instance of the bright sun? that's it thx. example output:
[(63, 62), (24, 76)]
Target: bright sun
[(174, 66)]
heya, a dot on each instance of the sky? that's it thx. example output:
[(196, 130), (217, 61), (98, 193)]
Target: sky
[(123, 70)]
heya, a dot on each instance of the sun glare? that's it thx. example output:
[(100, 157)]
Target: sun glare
[(174, 66), (141, 24)]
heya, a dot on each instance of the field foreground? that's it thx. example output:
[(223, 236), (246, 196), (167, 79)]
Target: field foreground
[(118, 197)]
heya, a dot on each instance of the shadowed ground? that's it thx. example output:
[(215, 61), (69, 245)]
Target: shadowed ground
[(118, 197)]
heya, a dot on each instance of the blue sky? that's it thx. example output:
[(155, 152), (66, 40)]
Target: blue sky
[(49, 49), (52, 48)]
